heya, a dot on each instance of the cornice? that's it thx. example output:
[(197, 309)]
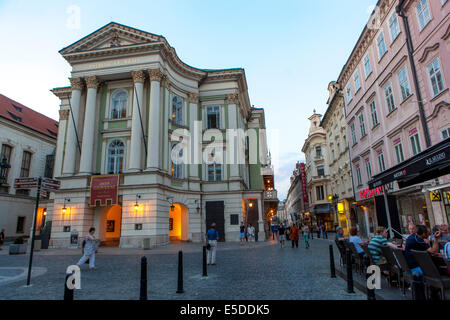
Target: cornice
[(427, 50)]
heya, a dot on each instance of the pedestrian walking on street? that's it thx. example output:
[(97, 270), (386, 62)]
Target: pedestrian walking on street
[(242, 232), (282, 235), (251, 233), (306, 235), (246, 232), (211, 242), (295, 234), (89, 250), (318, 231), (324, 232), (2, 238)]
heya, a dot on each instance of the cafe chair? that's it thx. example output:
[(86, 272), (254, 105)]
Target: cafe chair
[(407, 277), (431, 273), (359, 263), (392, 266), (366, 250), (341, 248)]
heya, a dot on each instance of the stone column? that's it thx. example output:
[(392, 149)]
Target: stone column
[(71, 142), (195, 144), (136, 128), (63, 119), (233, 100), (154, 145), (167, 106), (87, 149)]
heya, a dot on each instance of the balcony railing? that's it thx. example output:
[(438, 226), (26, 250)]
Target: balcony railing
[(271, 195)]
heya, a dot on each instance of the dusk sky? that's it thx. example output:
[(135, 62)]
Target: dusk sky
[(290, 50)]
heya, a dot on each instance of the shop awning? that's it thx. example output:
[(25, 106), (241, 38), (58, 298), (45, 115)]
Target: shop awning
[(323, 208), (432, 163)]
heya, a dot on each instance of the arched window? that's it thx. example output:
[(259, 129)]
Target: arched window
[(177, 110), (119, 104), (116, 152)]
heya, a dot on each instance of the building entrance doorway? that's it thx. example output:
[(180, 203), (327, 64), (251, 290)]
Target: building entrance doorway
[(109, 226), (178, 223)]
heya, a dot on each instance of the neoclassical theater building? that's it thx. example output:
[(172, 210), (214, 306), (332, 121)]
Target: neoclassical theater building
[(133, 110)]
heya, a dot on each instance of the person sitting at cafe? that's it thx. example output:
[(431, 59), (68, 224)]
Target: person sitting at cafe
[(419, 242), (376, 243), (340, 234), (356, 240)]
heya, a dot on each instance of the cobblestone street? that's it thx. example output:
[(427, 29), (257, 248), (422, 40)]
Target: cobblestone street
[(263, 271)]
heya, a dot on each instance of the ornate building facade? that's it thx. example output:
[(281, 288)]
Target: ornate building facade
[(174, 135)]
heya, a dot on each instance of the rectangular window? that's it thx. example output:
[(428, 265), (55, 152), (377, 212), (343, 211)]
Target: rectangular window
[(368, 169), (213, 117), (404, 85), (381, 164), (423, 13), (26, 163), (399, 153), (318, 152), (434, 72), (381, 46), (367, 66), (362, 126), (20, 225), (319, 193), (214, 172), (445, 133), (393, 26), (349, 94), (6, 153), (321, 171), (358, 176), (234, 219), (389, 98), (415, 144), (373, 113), (352, 128), (356, 80), (177, 165), (177, 110)]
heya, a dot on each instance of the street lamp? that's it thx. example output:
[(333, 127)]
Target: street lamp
[(136, 205), (64, 209), (4, 165)]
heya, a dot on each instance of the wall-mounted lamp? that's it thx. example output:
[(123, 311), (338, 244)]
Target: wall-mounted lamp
[(250, 204), (45, 212), (198, 206), (172, 207), (64, 209), (136, 206)]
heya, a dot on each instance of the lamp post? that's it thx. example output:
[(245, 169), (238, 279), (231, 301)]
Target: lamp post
[(335, 199), (4, 166)]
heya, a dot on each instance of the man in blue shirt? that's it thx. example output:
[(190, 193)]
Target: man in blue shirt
[(419, 242), (211, 238)]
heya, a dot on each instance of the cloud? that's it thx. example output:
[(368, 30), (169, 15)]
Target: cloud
[(283, 172)]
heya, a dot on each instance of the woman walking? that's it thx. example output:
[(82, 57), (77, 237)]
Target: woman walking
[(306, 235), (294, 235), (89, 250), (211, 239)]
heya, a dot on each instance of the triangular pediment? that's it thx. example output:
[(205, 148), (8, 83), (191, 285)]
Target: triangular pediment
[(112, 35)]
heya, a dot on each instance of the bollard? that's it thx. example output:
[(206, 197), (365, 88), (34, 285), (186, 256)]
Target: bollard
[(143, 293), (349, 272), (332, 267), (418, 288), (68, 293), (205, 270), (180, 272), (370, 292)]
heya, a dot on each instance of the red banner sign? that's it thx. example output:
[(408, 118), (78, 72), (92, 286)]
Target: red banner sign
[(104, 189), (303, 175)]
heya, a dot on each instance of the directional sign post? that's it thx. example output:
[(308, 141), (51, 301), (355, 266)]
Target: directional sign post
[(41, 184)]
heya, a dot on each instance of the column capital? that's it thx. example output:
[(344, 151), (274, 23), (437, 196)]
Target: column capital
[(64, 114), (77, 83), (166, 81), (233, 98), (155, 74), (92, 82), (138, 76), (193, 97)]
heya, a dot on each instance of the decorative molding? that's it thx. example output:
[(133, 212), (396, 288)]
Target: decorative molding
[(138, 76), (437, 108), (92, 82), (372, 95), (447, 33), (427, 50), (77, 83), (167, 82), (64, 115), (233, 98), (193, 97), (155, 74)]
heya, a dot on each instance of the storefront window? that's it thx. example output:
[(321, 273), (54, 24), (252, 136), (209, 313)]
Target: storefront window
[(412, 209)]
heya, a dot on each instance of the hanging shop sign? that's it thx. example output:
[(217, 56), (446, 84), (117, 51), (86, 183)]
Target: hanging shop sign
[(435, 196)]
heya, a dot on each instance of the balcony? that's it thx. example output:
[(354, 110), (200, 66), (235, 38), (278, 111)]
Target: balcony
[(270, 195)]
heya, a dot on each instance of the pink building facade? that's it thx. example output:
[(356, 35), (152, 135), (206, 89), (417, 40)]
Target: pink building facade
[(386, 123)]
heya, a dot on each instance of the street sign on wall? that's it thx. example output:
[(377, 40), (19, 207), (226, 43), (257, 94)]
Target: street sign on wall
[(50, 184)]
